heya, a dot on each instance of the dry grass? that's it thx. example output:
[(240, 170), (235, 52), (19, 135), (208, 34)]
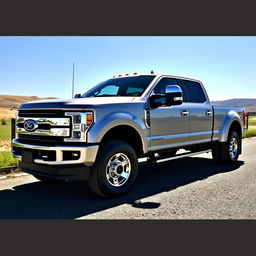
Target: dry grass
[(5, 145), (6, 113), (9, 101), (9, 104)]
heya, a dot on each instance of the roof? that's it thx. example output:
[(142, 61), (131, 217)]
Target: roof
[(155, 74)]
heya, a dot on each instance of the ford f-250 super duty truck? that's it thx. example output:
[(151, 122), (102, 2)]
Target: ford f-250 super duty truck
[(99, 136)]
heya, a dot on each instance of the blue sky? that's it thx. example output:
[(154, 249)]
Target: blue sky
[(42, 66)]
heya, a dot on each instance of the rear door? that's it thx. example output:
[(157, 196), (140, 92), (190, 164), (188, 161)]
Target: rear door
[(200, 112), (168, 125)]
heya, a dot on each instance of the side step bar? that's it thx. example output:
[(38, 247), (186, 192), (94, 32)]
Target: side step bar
[(179, 156)]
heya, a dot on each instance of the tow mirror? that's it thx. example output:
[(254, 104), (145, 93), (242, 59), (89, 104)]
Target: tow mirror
[(173, 95)]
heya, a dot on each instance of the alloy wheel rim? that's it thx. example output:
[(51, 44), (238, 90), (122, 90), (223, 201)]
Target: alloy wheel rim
[(118, 169), (233, 148)]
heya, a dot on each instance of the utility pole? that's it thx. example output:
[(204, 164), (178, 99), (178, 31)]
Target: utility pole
[(73, 80)]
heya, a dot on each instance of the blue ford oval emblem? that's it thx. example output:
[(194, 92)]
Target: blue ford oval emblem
[(30, 125)]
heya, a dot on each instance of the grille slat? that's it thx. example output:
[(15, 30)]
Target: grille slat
[(42, 113)]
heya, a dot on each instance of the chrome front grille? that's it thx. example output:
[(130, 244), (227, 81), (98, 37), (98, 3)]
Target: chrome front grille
[(52, 127), (57, 126)]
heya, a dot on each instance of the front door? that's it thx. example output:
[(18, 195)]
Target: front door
[(168, 125)]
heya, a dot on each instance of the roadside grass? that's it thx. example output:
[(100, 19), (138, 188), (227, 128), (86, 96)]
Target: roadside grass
[(252, 122), (6, 159), (251, 132), (5, 130)]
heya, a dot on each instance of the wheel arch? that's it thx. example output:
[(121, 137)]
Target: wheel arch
[(231, 122), (125, 133)]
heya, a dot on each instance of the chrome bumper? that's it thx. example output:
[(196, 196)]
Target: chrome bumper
[(87, 153)]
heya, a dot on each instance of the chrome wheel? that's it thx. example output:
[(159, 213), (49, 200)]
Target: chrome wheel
[(118, 169), (233, 148)]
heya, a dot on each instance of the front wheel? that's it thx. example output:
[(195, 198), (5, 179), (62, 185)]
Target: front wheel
[(227, 152), (115, 169)]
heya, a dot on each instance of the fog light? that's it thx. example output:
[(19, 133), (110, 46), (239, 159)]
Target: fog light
[(71, 155), (76, 134)]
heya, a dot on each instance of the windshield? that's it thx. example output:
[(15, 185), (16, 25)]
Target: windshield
[(126, 86)]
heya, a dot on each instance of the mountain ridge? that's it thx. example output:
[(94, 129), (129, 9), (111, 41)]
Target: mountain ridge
[(248, 103)]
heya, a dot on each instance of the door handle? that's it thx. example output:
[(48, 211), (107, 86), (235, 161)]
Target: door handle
[(208, 112), (184, 112)]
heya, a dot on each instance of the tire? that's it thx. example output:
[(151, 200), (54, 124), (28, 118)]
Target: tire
[(167, 154), (115, 169), (227, 152)]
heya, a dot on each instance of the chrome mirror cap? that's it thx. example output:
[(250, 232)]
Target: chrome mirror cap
[(173, 89)]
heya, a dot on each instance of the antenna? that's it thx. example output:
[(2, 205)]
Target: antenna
[(73, 80)]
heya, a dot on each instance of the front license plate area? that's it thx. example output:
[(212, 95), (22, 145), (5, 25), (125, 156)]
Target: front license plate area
[(27, 156)]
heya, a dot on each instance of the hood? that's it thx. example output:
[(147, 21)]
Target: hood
[(80, 103)]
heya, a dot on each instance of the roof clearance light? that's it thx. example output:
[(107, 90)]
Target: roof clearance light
[(127, 74), (135, 73), (119, 75)]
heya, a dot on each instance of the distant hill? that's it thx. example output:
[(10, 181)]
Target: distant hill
[(10, 103), (248, 104)]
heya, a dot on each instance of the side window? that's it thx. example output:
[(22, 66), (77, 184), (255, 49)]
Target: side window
[(160, 87), (194, 92)]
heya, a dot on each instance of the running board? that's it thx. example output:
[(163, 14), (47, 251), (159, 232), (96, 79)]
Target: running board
[(179, 156)]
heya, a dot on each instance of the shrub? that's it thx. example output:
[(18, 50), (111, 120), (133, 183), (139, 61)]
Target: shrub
[(6, 159), (3, 122)]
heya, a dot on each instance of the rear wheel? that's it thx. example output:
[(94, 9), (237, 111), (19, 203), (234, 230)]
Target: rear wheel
[(115, 169), (227, 152)]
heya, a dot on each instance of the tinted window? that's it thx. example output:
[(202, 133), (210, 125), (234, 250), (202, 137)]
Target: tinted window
[(194, 92), (108, 90), (161, 85), (134, 90), (126, 86)]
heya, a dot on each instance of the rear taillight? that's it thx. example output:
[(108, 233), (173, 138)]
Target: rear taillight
[(245, 119)]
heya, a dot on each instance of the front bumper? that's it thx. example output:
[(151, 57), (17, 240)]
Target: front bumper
[(54, 155), (58, 172)]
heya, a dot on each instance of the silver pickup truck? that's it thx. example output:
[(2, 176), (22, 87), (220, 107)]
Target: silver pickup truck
[(99, 136)]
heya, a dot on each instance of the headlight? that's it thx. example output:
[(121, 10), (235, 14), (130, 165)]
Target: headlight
[(80, 124)]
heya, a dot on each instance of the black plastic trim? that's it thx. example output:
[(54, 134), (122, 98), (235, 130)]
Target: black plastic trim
[(77, 172)]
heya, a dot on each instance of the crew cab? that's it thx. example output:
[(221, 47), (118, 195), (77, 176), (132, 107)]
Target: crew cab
[(100, 135)]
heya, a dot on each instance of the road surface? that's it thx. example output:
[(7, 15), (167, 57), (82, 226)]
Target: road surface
[(188, 188)]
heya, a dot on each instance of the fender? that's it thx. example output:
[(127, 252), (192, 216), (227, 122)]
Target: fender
[(102, 126), (229, 119)]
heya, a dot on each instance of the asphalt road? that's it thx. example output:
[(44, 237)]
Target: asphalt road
[(188, 188)]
